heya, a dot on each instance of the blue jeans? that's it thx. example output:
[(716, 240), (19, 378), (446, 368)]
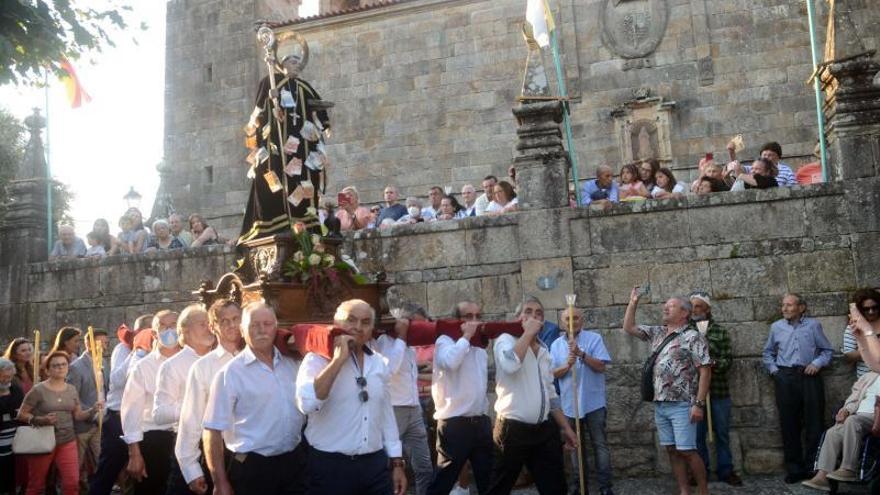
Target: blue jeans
[(721, 431), (594, 424)]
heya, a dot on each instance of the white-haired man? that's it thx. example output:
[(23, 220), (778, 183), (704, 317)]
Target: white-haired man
[(469, 198), (68, 245), (253, 400), (150, 444), (196, 340), (224, 317), (351, 428)]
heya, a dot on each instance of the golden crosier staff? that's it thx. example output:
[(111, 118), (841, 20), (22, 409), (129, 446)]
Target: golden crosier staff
[(36, 376), (570, 299), (96, 352)]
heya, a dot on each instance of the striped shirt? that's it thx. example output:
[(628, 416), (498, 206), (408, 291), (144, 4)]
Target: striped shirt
[(851, 344), (9, 405)]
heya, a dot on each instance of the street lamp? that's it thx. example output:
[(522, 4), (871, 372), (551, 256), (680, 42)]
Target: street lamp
[(132, 199)]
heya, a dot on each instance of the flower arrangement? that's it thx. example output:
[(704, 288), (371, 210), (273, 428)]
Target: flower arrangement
[(312, 265)]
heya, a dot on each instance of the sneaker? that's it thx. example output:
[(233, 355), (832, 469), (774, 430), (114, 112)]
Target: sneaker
[(459, 490), (821, 485), (844, 475), (733, 479)]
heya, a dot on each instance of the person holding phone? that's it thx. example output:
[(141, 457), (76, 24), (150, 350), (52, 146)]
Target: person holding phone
[(351, 215)]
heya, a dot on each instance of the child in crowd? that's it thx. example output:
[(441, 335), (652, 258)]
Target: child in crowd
[(667, 186), (631, 187), (95, 249)]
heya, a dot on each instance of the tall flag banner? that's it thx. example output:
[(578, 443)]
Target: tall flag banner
[(538, 15), (76, 95)]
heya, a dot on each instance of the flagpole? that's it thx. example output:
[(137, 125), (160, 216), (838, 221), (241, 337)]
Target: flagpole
[(49, 230), (566, 120)]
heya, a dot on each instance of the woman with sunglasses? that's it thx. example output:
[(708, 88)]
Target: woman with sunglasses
[(864, 325), (867, 303), (54, 402)]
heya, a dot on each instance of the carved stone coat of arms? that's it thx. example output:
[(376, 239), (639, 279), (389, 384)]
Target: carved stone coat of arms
[(634, 28)]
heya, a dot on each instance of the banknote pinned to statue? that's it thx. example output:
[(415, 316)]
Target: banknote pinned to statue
[(294, 167)]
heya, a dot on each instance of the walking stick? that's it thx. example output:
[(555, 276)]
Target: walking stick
[(96, 353), (36, 377), (570, 298), (703, 326)]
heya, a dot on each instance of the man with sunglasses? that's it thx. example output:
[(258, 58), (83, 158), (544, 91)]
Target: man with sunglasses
[(252, 409), (355, 444)]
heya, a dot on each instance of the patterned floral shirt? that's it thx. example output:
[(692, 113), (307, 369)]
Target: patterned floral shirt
[(676, 372)]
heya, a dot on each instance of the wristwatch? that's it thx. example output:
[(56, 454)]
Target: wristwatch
[(398, 462), (699, 403)]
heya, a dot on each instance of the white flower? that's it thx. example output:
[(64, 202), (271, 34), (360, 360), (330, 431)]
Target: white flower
[(316, 239), (311, 211), (298, 256), (314, 259), (329, 260)]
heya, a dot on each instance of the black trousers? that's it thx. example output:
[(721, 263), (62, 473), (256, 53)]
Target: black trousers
[(113, 456), (255, 474), (157, 448), (462, 439), (538, 447), (800, 400), (331, 473), (177, 484)]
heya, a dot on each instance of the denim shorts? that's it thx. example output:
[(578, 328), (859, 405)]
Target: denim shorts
[(674, 425)]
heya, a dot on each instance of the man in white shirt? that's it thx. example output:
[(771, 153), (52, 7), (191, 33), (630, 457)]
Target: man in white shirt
[(459, 386), (351, 427), (114, 451), (488, 194), (435, 196), (196, 340), (469, 197), (529, 417), (150, 444), (253, 400), (225, 320), (403, 388)]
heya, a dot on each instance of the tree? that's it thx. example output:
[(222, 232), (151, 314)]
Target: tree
[(35, 34)]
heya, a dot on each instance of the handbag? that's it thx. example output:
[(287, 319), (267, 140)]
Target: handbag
[(34, 440), (647, 385)]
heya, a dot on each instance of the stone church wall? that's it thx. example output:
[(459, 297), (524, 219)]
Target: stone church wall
[(424, 87), (747, 249)]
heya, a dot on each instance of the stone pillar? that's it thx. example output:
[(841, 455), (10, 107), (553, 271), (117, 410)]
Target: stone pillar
[(23, 233), (541, 162), (852, 100)]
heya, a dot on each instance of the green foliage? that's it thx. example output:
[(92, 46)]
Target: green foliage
[(35, 34)]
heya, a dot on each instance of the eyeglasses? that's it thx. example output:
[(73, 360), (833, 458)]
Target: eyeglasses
[(58, 365), (362, 383), (870, 309)]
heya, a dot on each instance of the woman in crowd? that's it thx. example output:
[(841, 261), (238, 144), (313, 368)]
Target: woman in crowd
[(449, 209), (648, 173), (505, 199), (706, 185), (631, 187), (101, 229), (666, 185), (21, 353), (351, 214), (761, 176), (162, 240), (10, 400), (710, 170), (203, 234), (413, 211), (140, 236), (68, 339), (55, 403)]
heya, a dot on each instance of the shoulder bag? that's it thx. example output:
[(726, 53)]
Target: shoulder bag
[(34, 440)]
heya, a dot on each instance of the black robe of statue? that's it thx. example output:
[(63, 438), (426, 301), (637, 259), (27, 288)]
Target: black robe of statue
[(268, 212)]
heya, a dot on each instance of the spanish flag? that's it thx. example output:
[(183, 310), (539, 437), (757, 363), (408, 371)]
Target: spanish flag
[(75, 92), (540, 17)]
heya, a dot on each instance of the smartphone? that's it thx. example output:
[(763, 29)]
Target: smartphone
[(710, 157), (342, 199), (644, 290)]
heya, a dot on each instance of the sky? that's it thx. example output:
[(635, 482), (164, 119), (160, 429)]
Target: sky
[(114, 142)]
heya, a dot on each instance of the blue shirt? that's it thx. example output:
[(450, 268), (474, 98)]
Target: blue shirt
[(591, 385), (801, 344), (592, 192), (549, 333), (394, 212)]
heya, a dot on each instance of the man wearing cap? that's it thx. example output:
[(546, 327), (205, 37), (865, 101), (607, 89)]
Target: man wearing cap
[(719, 390)]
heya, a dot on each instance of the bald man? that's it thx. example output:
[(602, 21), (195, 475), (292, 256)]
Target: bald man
[(601, 191), (68, 245)]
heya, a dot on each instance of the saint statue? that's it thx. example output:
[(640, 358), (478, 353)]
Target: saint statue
[(285, 134)]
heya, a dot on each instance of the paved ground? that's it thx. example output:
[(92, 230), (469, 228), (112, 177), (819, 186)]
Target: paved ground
[(752, 485)]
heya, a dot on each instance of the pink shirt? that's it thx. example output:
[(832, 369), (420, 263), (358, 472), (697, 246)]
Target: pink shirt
[(361, 218)]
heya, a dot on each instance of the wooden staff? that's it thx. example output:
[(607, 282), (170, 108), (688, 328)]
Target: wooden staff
[(570, 298), (703, 327), (36, 377), (96, 352)]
